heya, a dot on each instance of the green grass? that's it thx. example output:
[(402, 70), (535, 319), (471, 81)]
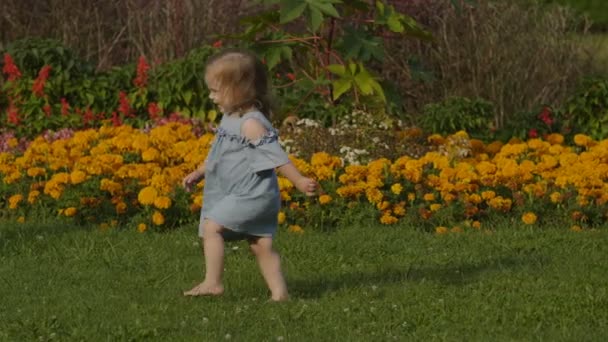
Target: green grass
[(355, 284)]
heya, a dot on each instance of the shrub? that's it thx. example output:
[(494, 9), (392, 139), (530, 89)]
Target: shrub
[(587, 110), (454, 114)]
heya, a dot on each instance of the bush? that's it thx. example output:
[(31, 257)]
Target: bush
[(459, 114), (587, 110)]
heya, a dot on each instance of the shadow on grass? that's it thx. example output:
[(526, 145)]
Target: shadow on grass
[(456, 274)]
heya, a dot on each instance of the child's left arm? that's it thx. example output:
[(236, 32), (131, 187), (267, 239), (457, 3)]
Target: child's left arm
[(307, 185)]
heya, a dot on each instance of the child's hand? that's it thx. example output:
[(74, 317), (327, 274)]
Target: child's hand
[(308, 186), (191, 179)]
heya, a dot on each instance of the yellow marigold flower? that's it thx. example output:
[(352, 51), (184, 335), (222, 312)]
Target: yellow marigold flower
[(14, 201), (555, 139), (582, 140), (474, 199), (77, 176), (576, 228), (295, 229), (142, 227), (383, 205), (399, 209), (69, 212), (494, 147), (162, 202), (529, 218), (441, 230), (147, 195), (36, 171), (476, 224), (158, 218), (281, 217), (411, 196), (21, 219), (429, 197), (396, 188), (488, 195), (387, 218), (435, 207), (121, 207), (436, 139), (556, 197), (374, 195), (456, 230), (324, 199), (150, 155), (13, 142)]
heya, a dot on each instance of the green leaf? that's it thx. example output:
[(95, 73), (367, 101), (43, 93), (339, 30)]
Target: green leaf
[(316, 18), (337, 69), (325, 7), (340, 87), (187, 96), (291, 9)]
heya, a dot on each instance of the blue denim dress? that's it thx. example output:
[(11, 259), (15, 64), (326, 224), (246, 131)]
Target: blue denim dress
[(241, 190)]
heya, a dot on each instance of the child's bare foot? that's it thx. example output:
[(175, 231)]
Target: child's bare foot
[(279, 298), (203, 289)]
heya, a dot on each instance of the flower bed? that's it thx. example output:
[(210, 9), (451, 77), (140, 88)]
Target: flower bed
[(122, 176)]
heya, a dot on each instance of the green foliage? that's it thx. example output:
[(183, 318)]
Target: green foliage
[(75, 96), (474, 116), (587, 110), (179, 86), (32, 54), (310, 40)]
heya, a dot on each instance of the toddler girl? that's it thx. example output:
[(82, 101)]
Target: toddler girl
[(241, 193)]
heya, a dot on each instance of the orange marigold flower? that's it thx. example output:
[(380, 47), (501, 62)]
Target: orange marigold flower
[(158, 218), (576, 228), (387, 218), (441, 230), (281, 217), (162, 202), (147, 195), (295, 229), (142, 227), (324, 199), (14, 201), (529, 218), (69, 212)]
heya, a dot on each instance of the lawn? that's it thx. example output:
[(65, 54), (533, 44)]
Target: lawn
[(377, 283)]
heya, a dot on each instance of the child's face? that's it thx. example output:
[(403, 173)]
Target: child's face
[(217, 97)]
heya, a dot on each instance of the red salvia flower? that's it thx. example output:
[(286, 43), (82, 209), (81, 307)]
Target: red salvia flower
[(291, 76), (533, 133), (43, 76), (124, 107), (87, 116), (13, 114), (65, 107), (154, 110), (116, 120), (10, 69), (47, 110), (141, 79), (545, 116), (217, 44)]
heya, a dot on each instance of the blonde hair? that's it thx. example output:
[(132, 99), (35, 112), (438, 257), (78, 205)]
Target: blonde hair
[(242, 80)]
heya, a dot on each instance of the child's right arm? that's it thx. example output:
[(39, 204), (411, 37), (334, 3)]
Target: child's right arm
[(194, 177)]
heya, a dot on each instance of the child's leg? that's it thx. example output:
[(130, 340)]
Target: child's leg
[(270, 265), (213, 248)]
